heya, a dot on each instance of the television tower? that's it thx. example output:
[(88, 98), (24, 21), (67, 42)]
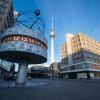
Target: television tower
[(52, 36)]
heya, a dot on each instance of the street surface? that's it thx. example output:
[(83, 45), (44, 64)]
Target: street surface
[(57, 89)]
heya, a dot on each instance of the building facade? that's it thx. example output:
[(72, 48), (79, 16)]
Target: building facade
[(82, 57), (63, 53), (6, 21), (6, 15)]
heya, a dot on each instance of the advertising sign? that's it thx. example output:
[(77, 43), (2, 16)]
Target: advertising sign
[(94, 66), (5, 65)]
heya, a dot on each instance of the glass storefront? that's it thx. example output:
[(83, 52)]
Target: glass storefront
[(95, 66), (80, 66)]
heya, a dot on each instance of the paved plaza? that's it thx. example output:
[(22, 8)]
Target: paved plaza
[(57, 89)]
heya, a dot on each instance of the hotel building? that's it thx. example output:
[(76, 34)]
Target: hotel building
[(80, 57)]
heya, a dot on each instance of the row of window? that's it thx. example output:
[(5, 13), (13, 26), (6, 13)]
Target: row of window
[(86, 41), (24, 39), (96, 51), (77, 47), (91, 43), (95, 45), (9, 18), (88, 55)]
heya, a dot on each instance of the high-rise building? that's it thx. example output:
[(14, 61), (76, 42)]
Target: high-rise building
[(81, 55), (6, 21), (6, 15)]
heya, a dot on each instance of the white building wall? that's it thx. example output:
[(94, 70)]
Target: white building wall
[(69, 48)]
